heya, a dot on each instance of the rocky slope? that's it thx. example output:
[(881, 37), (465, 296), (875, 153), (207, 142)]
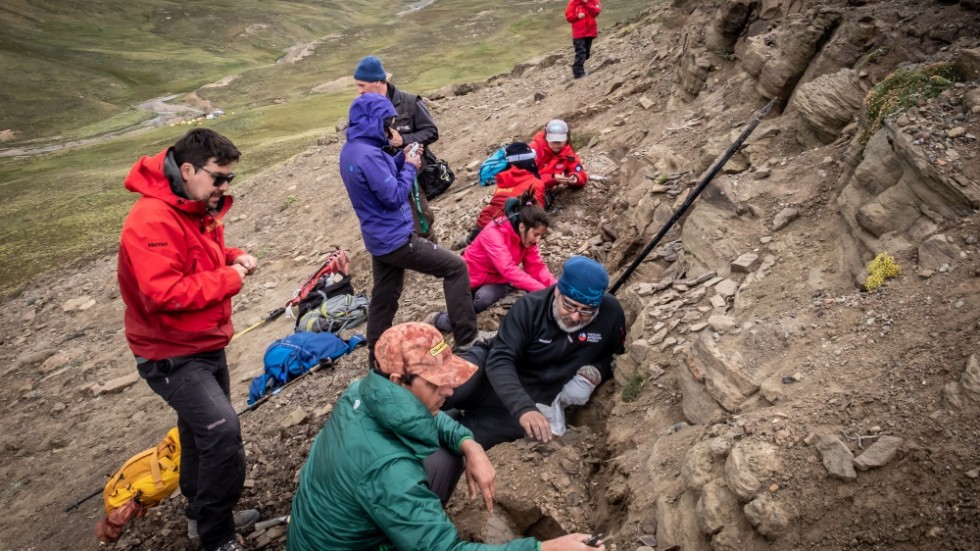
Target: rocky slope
[(774, 403)]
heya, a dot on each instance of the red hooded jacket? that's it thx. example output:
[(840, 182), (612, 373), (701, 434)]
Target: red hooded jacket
[(565, 162), (510, 183), (174, 273), (584, 27)]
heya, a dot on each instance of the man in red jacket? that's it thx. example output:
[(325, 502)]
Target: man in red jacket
[(176, 278), (581, 14)]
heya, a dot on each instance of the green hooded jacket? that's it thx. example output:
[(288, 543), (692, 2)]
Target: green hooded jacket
[(363, 487)]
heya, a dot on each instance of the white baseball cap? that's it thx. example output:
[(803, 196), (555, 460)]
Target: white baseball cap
[(556, 131)]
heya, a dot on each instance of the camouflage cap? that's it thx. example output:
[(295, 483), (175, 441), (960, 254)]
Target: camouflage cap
[(419, 349)]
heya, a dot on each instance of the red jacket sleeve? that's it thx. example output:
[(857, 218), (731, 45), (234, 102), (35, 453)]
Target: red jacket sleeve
[(506, 264), (594, 8), (570, 12), (160, 271), (579, 172)]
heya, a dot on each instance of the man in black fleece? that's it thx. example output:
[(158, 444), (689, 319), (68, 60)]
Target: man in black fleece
[(568, 331)]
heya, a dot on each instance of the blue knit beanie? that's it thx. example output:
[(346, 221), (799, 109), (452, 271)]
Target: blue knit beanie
[(370, 69), (583, 280)]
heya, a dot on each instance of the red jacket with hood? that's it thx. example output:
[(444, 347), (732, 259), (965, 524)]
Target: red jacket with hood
[(510, 183), (584, 27), (174, 270), (565, 162)]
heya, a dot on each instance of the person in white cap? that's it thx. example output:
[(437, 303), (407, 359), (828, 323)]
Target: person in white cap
[(558, 164)]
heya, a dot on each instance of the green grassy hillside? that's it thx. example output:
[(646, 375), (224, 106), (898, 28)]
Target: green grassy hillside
[(80, 67)]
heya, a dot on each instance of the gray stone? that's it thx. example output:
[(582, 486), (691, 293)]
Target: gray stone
[(722, 324), (767, 516), (748, 465), (118, 384), (700, 466), (297, 417), (936, 252), (837, 457), (721, 372), (646, 102), (879, 453), (78, 304), (698, 406), (745, 263), (784, 217), (718, 301), (727, 288), (717, 507)]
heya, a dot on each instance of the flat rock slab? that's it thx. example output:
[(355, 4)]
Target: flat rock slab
[(746, 263), (879, 453), (837, 457)]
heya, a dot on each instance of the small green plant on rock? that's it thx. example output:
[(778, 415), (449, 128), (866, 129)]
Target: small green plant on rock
[(881, 268), (633, 387), (289, 200), (905, 88)]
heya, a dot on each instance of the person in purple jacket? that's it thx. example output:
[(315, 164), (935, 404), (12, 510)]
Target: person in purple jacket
[(378, 186)]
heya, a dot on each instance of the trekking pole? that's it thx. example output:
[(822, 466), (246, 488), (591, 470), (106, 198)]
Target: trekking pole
[(694, 194), (264, 399), (272, 316), (75, 505)]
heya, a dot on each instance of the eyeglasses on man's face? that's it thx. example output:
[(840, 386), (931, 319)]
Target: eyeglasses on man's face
[(584, 311), (220, 178)]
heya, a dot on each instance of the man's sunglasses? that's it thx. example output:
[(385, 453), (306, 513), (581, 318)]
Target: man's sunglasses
[(584, 311), (219, 178)]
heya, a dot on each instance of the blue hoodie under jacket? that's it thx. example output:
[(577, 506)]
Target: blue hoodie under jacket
[(378, 184)]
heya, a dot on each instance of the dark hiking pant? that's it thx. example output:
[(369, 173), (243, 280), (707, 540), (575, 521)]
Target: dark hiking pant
[(583, 51), (422, 256), (484, 297), (444, 468), (212, 458)]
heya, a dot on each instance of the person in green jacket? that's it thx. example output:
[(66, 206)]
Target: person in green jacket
[(363, 486)]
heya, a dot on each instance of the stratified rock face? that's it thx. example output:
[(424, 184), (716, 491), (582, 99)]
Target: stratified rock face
[(910, 180), (779, 58), (829, 102)]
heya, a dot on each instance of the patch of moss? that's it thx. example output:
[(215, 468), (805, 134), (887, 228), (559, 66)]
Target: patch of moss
[(633, 387), (905, 88)]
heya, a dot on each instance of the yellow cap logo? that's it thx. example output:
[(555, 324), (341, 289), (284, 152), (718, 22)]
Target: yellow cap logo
[(437, 349)]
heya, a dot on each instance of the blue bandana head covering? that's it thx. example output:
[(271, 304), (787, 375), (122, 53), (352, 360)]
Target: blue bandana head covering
[(583, 280)]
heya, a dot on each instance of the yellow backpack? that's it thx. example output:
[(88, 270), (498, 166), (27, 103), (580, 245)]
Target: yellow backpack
[(149, 476)]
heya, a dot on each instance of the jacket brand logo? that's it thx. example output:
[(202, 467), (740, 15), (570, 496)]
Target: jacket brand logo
[(544, 341), (590, 337), (157, 244)]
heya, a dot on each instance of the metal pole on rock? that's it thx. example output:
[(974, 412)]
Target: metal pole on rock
[(694, 194)]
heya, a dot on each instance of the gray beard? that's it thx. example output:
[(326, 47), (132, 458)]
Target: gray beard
[(561, 324)]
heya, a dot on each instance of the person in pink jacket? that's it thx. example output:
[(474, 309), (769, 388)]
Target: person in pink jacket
[(581, 14), (505, 256)]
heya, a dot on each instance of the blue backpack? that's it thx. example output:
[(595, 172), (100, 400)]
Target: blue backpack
[(288, 358), (493, 166)]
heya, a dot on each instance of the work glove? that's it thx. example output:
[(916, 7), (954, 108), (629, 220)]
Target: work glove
[(576, 392)]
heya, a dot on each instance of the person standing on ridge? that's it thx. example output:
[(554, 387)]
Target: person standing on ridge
[(176, 278), (378, 185), (581, 14)]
